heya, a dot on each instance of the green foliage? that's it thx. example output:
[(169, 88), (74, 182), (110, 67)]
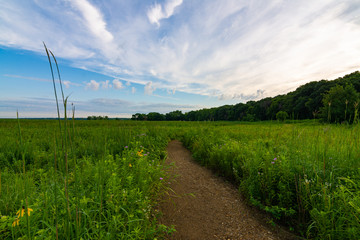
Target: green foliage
[(303, 103), (282, 116), (113, 182), (174, 116), (154, 116), (97, 118), (339, 104), (139, 116), (304, 175)]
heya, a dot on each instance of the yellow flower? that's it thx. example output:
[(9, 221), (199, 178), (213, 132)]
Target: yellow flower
[(21, 212), (16, 222), (140, 153), (130, 165)]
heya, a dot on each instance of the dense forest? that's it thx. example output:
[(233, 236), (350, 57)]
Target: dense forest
[(333, 101)]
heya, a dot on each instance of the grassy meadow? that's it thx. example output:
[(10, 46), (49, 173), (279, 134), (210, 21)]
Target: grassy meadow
[(102, 183), (103, 179), (305, 175)]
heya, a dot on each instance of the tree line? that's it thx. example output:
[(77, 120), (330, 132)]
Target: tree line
[(332, 101)]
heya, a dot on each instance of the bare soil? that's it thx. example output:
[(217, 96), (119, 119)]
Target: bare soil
[(204, 206)]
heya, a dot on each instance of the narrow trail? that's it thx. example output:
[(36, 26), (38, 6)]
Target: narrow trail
[(203, 206)]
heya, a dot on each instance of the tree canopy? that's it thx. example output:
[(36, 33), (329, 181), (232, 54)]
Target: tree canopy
[(340, 103), (308, 101)]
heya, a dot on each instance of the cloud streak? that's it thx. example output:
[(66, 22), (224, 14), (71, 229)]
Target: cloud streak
[(44, 107), (93, 20), (229, 49)]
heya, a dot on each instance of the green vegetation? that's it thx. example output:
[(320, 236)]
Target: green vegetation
[(305, 175), (107, 190), (308, 101), (98, 180), (76, 179), (282, 116), (340, 104), (97, 118)]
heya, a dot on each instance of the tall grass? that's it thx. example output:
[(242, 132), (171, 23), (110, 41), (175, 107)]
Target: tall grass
[(90, 181), (306, 176)]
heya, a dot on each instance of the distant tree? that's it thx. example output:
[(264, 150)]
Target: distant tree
[(339, 103), (240, 111), (306, 102), (282, 116), (139, 116), (174, 116), (97, 117), (249, 117), (190, 116), (155, 116)]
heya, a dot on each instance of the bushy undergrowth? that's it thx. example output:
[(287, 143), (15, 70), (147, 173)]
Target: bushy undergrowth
[(103, 186), (305, 175)]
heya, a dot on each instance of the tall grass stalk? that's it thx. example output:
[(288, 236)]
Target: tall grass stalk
[(356, 120), (53, 80), (22, 149), (77, 199), (64, 136), (55, 192)]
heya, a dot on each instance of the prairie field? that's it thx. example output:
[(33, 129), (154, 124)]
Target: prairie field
[(81, 179)]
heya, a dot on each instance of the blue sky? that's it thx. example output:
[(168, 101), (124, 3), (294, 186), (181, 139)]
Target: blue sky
[(120, 57)]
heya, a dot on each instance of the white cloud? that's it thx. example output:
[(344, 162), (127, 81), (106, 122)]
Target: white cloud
[(171, 91), (133, 90), (93, 85), (158, 12), (241, 96), (128, 83), (117, 84), (155, 14), (66, 84), (93, 20), (149, 89), (230, 47), (105, 84), (44, 107)]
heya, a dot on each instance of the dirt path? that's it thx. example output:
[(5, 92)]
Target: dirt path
[(203, 206)]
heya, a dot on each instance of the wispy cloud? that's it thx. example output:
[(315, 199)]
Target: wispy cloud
[(230, 48), (66, 83), (158, 11), (44, 107), (149, 89), (105, 84), (93, 19), (28, 78)]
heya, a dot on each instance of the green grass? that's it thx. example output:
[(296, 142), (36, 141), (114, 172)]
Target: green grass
[(304, 174), (108, 191)]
